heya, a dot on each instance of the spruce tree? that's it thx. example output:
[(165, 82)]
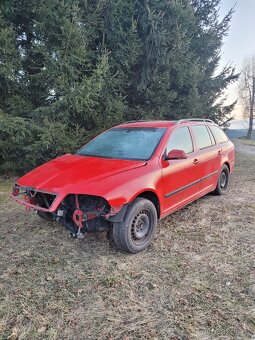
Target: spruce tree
[(70, 68)]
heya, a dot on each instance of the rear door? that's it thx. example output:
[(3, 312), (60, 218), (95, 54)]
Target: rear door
[(209, 160), (180, 176)]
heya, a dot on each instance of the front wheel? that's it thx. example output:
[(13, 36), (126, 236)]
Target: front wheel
[(222, 184), (138, 228)]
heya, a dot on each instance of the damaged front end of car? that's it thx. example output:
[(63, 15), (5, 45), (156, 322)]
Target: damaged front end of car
[(78, 213)]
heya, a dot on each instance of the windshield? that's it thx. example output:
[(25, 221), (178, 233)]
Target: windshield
[(124, 143)]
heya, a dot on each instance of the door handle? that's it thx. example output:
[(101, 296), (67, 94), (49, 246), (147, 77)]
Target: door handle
[(196, 161)]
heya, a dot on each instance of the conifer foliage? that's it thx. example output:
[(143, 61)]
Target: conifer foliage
[(70, 68)]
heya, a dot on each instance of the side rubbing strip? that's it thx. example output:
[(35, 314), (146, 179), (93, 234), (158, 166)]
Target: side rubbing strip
[(190, 184)]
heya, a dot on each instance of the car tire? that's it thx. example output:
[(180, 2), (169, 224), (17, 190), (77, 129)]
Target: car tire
[(45, 215), (137, 230), (222, 184)]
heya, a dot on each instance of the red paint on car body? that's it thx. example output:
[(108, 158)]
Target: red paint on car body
[(175, 182)]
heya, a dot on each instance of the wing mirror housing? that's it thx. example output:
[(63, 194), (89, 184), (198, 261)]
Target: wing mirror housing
[(176, 154)]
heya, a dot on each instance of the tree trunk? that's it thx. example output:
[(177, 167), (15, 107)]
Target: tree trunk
[(252, 101), (249, 130)]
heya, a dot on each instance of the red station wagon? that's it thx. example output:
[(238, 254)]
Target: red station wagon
[(129, 177)]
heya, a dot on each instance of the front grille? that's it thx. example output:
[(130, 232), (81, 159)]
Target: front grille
[(32, 198)]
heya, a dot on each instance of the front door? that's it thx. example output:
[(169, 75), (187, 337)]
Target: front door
[(180, 177)]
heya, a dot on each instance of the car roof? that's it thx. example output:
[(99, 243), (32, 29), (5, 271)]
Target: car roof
[(164, 123), (148, 123)]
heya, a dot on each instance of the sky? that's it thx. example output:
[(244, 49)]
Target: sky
[(240, 42)]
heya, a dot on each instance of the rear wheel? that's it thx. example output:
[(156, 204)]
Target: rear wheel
[(222, 184), (138, 228)]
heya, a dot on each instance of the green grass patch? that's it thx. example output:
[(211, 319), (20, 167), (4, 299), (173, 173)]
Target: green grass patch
[(6, 184), (5, 188)]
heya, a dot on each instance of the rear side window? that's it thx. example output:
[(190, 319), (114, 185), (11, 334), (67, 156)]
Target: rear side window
[(219, 135), (180, 140), (202, 136)]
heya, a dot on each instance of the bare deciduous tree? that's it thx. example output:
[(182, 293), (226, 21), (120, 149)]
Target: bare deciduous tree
[(247, 90)]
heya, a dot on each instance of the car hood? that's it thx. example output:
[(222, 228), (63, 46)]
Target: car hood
[(61, 172)]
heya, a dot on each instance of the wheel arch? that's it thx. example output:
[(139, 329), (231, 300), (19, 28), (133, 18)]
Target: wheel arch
[(227, 164), (151, 196)]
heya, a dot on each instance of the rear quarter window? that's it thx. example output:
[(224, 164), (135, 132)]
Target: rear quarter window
[(218, 134)]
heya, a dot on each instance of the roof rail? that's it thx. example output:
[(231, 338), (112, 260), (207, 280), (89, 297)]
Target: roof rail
[(136, 121), (195, 120)]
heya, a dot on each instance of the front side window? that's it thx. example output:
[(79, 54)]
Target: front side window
[(124, 143), (219, 135), (180, 140), (202, 136)]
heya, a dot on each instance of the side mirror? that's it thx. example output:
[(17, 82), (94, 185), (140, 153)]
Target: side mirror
[(176, 154)]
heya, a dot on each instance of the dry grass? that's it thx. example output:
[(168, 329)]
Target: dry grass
[(247, 141), (197, 280)]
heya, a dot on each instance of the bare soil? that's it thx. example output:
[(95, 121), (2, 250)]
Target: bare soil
[(196, 281)]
